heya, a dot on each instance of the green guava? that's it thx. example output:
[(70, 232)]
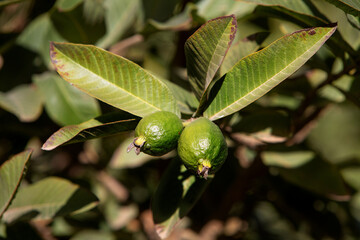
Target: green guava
[(157, 133), (202, 147)]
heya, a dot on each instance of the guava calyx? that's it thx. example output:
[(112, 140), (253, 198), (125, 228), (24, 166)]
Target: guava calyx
[(138, 143), (203, 168)]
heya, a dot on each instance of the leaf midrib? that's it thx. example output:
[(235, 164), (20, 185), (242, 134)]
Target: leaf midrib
[(270, 79), (207, 78), (112, 83)]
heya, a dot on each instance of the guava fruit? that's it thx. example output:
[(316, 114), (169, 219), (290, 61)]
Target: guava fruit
[(202, 147), (157, 133)]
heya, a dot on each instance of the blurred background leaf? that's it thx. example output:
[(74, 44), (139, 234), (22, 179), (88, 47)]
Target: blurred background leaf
[(65, 104)]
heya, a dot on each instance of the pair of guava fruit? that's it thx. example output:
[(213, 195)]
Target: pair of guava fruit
[(200, 144)]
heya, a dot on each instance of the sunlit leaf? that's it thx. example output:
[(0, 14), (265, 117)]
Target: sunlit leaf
[(337, 43), (23, 101), (255, 75), (102, 126), (112, 79), (48, 198), (349, 6), (11, 173), (240, 49), (175, 196), (205, 50), (119, 16)]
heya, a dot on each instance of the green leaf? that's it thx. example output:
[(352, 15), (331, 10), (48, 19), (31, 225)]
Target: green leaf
[(210, 9), (67, 5), (182, 21), (119, 16), (291, 159), (94, 11), (11, 173), (112, 79), (64, 103), (337, 43), (93, 235), (241, 49), (49, 198), (349, 6), (175, 196), (37, 36), (351, 176), (336, 134), (105, 125), (205, 51), (296, 6), (255, 75), (23, 101), (318, 176), (185, 99), (8, 2), (74, 27)]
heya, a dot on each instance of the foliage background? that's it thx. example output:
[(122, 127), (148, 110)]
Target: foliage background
[(293, 170)]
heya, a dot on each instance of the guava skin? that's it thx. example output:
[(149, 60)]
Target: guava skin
[(157, 133), (202, 147)]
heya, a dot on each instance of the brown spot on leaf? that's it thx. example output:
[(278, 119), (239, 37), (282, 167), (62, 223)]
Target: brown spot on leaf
[(312, 32)]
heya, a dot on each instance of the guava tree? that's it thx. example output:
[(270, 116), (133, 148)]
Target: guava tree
[(261, 95)]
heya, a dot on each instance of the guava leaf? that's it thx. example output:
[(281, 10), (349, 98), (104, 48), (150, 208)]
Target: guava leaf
[(175, 196), (255, 75), (37, 36), (297, 6), (74, 27), (351, 176), (205, 51), (112, 79), (292, 159), (349, 6), (210, 9), (337, 43), (67, 5), (318, 176), (240, 49), (341, 143), (102, 126), (65, 104), (185, 99), (93, 235), (23, 101), (119, 15), (11, 173), (8, 2), (182, 21), (49, 198)]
